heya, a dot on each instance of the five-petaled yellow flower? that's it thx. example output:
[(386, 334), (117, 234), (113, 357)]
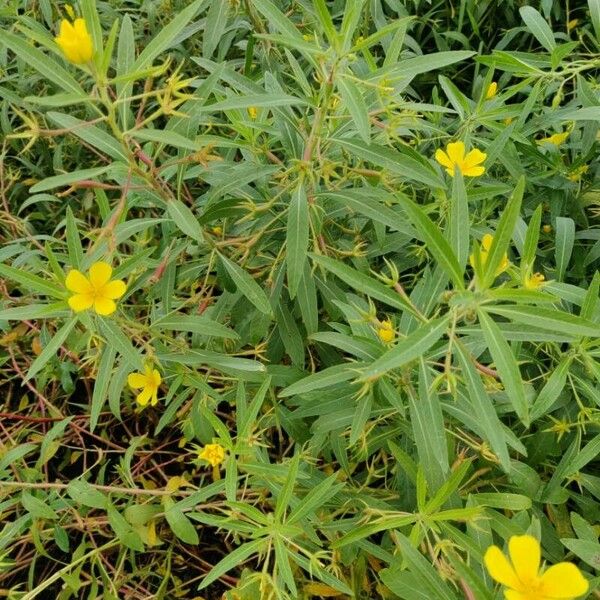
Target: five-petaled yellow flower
[(555, 139), (97, 290), (484, 251), (491, 91), (469, 164), (533, 282), (75, 41), (522, 575), (148, 382), (214, 454), (386, 332)]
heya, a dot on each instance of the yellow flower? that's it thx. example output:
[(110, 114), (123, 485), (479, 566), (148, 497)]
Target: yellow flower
[(576, 174), (96, 290), (386, 332), (547, 228), (572, 24), (522, 575), (214, 454), (75, 41), (508, 120), (469, 164), (252, 112), (217, 230), (491, 91), (149, 382), (555, 139), (486, 244), (533, 282)]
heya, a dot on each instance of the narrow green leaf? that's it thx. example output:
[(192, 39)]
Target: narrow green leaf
[(435, 242), (103, 378), (41, 63), (399, 162), (195, 324), (555, 321), (51, 349), (353, 100), (166, 36), (297, 239), (406, 350), (483, 408), (233, 559), (506, 364), (538, 26), (247, 286), (185, 219), (362, 283), (32, 282), (504, 233), (565, 238)]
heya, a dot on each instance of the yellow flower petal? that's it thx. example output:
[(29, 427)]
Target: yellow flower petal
[(491, 91), (474, 158), (514, 595), (473, 171), (143, 397), (456, 152), (486, 241), (77, 282), (86, 49), (80, 302), (66, 29), (563, 580), (104, 306), (136, 380), (443, 159), (525, 555), (499, 568), (156, 378), (114, 289), (100, 273)]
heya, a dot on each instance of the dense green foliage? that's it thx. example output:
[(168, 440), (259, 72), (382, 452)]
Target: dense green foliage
[(397, 363)]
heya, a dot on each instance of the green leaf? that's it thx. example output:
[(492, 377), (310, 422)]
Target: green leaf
[(459, 226), (166, 36), (503, 234), (506, 364), (90, 134), (407, 349), (538, 26), (41, 63), (297, 239), (594, 6), (34, 311), (233, 559), (87, 495), (37, 508), (216, 23), (362, 283), (185, 219), (436, 244), (353, 100), (555, 321), (103, 378), (322, 379), (427, 423), (278, 19), (67, 179), (125, 61), (180, 525), (121, 343), (73, 241), (565, 238), (32, 282), (247, 286), (51, 349), (195, 324), (399, 162), (483, 409)]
